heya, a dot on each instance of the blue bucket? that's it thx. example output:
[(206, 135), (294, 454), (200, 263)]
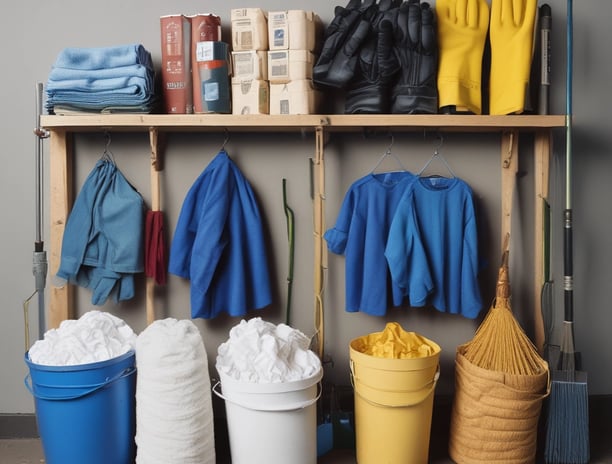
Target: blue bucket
[(86, 413)]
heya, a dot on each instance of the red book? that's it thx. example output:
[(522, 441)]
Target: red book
[(176, 64)]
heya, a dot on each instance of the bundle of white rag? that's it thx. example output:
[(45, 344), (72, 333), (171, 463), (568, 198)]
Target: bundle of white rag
[(174, 416), (258, 351), (96, 336)]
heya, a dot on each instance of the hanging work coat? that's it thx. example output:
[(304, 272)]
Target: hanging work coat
[(360, 234), (439, 213), (219, 244), (103, 242)]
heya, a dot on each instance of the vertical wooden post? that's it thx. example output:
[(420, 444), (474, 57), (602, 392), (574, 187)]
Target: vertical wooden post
[(320, 251), (155, 167), (509, 164), (61, 299)]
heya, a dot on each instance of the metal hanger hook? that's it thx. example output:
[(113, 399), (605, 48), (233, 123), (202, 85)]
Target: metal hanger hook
[(440, 143), (108, 154), (226, 138), (391, 142)]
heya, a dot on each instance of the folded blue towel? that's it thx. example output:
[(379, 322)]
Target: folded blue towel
[(63, 77), (94, 79), (103, 57)]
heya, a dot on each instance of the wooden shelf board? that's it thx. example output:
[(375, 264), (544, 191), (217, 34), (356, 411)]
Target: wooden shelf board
[(309, 122)]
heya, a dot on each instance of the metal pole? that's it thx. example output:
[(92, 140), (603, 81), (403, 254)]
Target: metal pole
[(39, 260)]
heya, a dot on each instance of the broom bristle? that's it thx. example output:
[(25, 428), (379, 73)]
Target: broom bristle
[(567, 435)]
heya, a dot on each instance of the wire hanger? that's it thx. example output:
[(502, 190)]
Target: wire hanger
[(107, 155), (225, 140), (437, 155), (387, 153)]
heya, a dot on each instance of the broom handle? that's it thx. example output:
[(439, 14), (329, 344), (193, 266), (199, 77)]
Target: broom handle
[(568, 272)]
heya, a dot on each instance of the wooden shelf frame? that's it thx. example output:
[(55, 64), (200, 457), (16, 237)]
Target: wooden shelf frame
[(60, 129)]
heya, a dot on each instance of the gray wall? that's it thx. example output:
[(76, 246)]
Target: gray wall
[(33, 33)]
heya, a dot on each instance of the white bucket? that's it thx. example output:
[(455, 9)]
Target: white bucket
[(271, 423)]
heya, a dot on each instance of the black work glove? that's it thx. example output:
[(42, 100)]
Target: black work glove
[(368, 92), (416, 48), (335, 66)]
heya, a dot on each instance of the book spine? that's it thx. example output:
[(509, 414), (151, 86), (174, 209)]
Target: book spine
[(176, 73)]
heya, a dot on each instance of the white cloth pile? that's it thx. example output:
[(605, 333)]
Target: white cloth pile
[(174, 416), (95, 336), (261, 352)]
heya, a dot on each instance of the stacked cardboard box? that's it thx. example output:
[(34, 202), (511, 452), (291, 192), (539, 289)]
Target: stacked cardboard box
[(293, 37), (273, 57), (250, 88)]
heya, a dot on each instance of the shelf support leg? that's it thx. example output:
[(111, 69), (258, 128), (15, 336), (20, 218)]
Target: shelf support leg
[(155, 168), (320, 250), (61, 299)]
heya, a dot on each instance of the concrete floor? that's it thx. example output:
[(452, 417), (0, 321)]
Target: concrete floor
[(29, 451), (21, 451)]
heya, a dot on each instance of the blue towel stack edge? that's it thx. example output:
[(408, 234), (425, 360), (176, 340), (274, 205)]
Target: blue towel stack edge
[(102, 79)]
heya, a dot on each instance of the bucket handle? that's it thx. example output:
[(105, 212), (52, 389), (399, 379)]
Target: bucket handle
[(290, 407), (427, 391), (125, 373)]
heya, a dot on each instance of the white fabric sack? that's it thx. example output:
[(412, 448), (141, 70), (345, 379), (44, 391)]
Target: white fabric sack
[(174, 415)]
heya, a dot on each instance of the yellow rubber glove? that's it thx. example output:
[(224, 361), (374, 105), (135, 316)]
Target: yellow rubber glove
[(511, 35), (462, 32)]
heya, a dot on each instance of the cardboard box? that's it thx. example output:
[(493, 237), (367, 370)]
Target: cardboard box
[(250, 97), (293, 30), (250, 65), (295, 97), (176, 64), (290, 65), (249, 29)]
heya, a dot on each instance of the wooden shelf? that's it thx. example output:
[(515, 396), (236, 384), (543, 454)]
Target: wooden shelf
[(61, 127), (283, 123)]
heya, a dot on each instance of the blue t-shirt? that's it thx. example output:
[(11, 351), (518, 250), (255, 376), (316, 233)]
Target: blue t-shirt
[(360, 234), (439, 213)]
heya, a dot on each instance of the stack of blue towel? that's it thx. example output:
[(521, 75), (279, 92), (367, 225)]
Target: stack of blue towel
[(103, 79)]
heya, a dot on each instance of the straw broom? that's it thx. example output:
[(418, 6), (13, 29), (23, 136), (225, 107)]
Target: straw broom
[(500, 343), (567, 437)]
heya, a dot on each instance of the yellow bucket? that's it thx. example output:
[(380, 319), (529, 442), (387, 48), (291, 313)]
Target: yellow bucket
[(393, 405)]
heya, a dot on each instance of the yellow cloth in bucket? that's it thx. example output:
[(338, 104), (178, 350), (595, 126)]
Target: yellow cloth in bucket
[(395, 343)]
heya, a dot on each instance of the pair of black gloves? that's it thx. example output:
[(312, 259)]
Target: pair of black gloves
[(384, 55)]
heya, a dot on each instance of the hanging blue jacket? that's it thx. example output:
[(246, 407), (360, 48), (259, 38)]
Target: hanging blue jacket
[(103, 242), (219, 244)]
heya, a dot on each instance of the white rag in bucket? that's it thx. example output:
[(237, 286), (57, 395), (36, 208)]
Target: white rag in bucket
[(174, 416), (262, 352), (95, 336)]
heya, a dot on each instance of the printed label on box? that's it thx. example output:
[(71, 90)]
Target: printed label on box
[(279, 64)]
